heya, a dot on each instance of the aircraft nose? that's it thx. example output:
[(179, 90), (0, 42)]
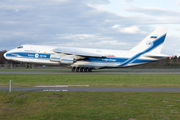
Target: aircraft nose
[(5, 54)]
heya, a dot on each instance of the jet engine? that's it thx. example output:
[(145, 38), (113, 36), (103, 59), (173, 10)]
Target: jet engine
[(66, 59)]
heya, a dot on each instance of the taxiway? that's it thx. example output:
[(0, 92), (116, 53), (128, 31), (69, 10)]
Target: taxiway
[(97, 89), (174, 71)]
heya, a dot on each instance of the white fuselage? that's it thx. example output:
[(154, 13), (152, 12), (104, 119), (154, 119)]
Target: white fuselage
[(37, 54)]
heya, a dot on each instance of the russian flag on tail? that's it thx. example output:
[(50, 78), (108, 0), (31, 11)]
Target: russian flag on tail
[(153, 37)]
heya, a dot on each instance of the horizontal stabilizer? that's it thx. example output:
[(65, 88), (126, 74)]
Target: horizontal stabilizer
[(156, 56)]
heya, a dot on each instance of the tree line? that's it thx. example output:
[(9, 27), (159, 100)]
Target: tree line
[(169, 62), (2, 59)]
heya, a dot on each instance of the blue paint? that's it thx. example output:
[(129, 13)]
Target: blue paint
[(46, 56), (29, 55), (115, 60), (66, 60), (155, 44)]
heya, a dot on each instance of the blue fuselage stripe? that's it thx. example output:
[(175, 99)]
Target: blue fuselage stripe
[(46, 56), (29, 55)]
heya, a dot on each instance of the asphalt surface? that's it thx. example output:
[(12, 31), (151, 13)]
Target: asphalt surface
[(97, 89), (174, 71)]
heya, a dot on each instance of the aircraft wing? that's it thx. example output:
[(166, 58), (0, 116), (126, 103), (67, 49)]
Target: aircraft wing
[(73, 51)]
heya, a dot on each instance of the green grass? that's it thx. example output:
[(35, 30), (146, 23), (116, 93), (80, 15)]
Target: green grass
[(89, 105), (95, 80)]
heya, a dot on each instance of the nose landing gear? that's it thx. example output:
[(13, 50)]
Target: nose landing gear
[(27, 66)]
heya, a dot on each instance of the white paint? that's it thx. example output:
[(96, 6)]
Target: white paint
[(64, 86), (55, 90)]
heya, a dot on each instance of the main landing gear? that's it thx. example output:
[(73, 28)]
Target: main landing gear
[(81, 69)]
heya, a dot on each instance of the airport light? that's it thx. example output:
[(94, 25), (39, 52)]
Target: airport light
[(10, 85)]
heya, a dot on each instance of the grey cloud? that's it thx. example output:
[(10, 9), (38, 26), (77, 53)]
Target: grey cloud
[(152, 11), (99, 2), (171, 46), (177, 2), (49, 22)]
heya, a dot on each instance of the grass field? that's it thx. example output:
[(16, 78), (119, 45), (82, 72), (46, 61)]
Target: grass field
[(89, 106), (93, 80)]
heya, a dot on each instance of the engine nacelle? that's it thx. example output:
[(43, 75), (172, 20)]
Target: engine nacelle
[(55, 58), (66, 59)]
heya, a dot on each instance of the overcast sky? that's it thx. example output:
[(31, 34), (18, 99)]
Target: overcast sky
[(109, 24)]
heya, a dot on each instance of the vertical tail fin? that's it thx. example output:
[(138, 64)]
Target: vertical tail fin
[(153, 42)]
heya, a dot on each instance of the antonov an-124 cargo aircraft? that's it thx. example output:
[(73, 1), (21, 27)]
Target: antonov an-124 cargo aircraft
[(86, 59)]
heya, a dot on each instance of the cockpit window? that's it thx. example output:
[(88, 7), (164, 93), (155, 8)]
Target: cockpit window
[(20, 47)]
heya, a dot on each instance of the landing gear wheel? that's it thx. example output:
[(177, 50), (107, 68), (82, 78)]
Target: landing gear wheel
[(81, 69), (89, 70), (27, 66), (73, 69), (77, 69), (85, 69)]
